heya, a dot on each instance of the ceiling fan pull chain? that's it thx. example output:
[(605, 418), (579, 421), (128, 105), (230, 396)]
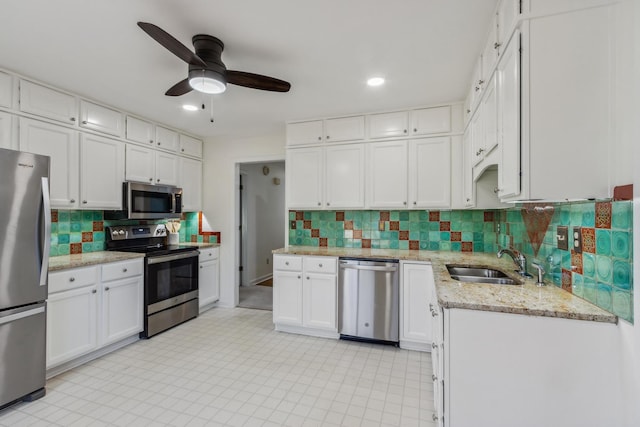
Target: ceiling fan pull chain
[(212, 109)]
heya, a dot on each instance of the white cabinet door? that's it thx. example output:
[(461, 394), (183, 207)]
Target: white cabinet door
[(387, 183), (209, 277), (489, 118), (190, 180), (101, 119), (344, 176), (6, 90), (490, 51), (508, 12), (389, 124), (305, 133), (139, 130), (319, 301), (344, 129), (167, 139), (61, 144), (468, 156), (431, 120), (7, 139), (140, 164), (305, 178), (101, 172), (190, 146), (477, 136), (46, 102), (287, 297), (417, 280), (122, 303), (430, 173), (509, 119), (72, 324), (166, 169)]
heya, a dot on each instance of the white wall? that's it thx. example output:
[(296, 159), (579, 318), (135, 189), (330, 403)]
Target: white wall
[(264, 227), (221, 159)]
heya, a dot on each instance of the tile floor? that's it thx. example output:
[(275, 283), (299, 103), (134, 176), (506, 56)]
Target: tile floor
[(229, 367)]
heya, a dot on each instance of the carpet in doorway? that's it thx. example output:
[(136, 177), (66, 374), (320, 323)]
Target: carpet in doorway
[(259, 297)]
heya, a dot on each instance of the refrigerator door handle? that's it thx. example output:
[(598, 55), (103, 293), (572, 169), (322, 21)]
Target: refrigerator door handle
[(21, 315), (46, 238)]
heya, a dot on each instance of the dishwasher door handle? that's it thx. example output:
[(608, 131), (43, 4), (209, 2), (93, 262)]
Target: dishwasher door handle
[(368, 268)]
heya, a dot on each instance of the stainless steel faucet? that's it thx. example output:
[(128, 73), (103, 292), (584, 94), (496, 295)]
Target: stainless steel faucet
[(519, 259)]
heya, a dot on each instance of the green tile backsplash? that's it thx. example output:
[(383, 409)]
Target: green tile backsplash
[(74, 232), (602, 273)]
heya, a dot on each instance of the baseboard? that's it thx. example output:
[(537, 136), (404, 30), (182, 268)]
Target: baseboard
[(260, 279), (208, 307), (416, 346), (322, 333), (57, 370)]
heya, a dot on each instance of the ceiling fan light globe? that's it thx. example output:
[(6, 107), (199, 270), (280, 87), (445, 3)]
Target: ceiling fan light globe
[(207, 85)]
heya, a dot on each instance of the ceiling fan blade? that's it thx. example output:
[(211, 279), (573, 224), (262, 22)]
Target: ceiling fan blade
[(179, 88), (257, 81), (171, 44)]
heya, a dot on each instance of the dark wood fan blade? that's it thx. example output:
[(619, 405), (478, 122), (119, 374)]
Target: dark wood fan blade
[(179, 88), (171, 44), (256, 81)]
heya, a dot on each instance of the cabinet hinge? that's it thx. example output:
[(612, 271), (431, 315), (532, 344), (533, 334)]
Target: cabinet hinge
[(241, 187), (240, 227), (240, 268)]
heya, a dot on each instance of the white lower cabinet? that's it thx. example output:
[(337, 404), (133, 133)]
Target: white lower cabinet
[(305, 294), (90, 308), (416, 286), (209, 276)]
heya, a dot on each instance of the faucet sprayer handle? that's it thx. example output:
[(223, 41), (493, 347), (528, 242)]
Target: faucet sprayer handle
[(541, 271)]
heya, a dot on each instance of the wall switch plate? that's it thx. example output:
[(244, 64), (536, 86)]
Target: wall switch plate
[(577, 240), (562, 237)]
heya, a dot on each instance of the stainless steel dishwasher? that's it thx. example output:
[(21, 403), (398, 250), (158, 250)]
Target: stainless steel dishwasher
[(368, 300)]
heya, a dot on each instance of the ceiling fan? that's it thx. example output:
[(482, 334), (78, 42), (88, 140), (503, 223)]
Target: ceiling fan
[(207, 72)]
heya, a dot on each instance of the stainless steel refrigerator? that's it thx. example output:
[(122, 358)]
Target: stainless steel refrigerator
[(25, 228)]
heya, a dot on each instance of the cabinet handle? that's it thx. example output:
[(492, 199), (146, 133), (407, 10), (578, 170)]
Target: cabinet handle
[(480, 82), (434, 313), (404, 203), (94, 291), (158, 180), (480, 151), (286, 263), (415, 203), (72, 279), (200, 266), (299, 276), (72, 201), (73, 119), (477, 88), (468, 111), (84, 202), (433, 377), (497, 190), (319, 204), (319, 138), (434, 417), (404, 131), (150, 179), (84, 122), (159, 144), (415, 129), (124, 270), (328, 204), (151, 141), (182, 150), (468, 199), (497, 45), (328, 137), (320, 265), (307, 277), (106, 288)]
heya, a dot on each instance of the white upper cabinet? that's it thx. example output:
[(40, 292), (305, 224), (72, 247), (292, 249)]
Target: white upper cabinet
[(468, 194), (166, 169), (46, 102), (101, 172), (344, 129), (305, 178), (387, 175), (190, 180), (190, 146), (7, 139), (490, 118), (139, 130), (167, 139), (303, 133), (389, 125), (140, 164), (6, 89), (491, 49), (430, 173), (508, 12), (477, 84), (101, 119), (431, 120), (345, 176), (61, 145)]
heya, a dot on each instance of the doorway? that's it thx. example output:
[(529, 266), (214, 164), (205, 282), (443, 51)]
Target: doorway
[(261, 230)]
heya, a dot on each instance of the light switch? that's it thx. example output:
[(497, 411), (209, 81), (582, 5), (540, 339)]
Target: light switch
[(562, 237)]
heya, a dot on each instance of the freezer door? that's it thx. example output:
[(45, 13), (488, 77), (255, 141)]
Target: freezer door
[(22, 352), (25, 220)]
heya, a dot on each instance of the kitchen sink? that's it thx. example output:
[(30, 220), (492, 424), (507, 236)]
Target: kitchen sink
[(480, 275)]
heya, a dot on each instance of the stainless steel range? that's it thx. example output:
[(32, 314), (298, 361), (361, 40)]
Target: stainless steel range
[(170, 278)]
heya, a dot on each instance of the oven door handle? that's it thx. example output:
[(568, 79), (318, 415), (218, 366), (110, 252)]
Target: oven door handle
[(167, 258)]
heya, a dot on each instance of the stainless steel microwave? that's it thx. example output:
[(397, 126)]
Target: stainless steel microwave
[(144, 201)]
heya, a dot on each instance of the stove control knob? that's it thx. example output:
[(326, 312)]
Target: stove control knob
[(121, 232)]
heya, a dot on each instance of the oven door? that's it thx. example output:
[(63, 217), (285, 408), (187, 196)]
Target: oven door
[(170, 280)]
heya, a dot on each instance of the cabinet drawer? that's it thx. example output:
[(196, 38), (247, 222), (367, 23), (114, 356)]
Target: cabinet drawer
[(121, 270), (207, 254), (72, 279), (320, 264), (286, 262)]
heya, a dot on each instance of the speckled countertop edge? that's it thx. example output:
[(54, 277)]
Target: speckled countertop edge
[(64, 262), (527, 299), (201, 245)]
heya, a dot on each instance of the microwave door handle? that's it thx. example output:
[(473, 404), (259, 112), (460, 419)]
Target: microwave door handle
[(173, 203)]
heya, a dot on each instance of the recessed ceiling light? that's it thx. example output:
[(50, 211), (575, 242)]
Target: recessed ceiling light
[(375, 81), (190, 107)]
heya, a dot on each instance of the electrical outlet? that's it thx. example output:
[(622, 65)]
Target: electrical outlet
[(381, 225), (562, 237), (577, 240)]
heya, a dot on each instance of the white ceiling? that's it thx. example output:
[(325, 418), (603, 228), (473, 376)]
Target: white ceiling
[(326, 49)]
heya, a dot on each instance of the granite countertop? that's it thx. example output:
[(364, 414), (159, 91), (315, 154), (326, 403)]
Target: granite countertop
[(527, 299), (201, 245), (64, 262)]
